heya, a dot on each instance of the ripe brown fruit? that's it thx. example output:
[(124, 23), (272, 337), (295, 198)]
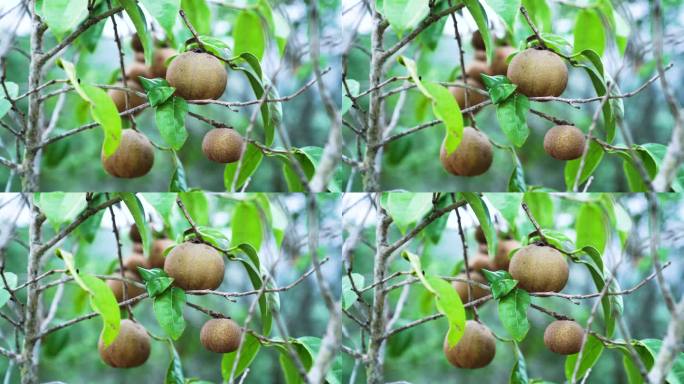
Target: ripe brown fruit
[(134, 234), (221, 335), (131, 347), (477, 41), (476, 292), (480, 235), (136, 44), (223, 145), (472, 157), (480, 55), (539, 268), (158, 67), (156, 259), (131, 290), (564, 337), (139, 57), (499, 64), (475, 349), (503, 250), (195, 266), (119, 97), (479, 262), (538, 73), (133, 158), (477, 68), (134, 70), (564, 142), (197, 76), (132, 262), (474, 98)]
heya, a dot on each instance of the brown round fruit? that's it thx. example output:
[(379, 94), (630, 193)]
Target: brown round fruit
[(499, 64), (476, 69), (472, 157), (480, 235), (564, 337), (475, 349), (131, 347), (197, 76), (503, 250), (480, 55), (539, 268), (195, 266), (119, 97), (564, 142), (135, 70), (134, 234), (538, 73), (158, 67), (131, 290), (136, 44), (133, 158), (132, 262), (221, 335), (477, 41), (479, 262), (474, 98), (223, 145), (157, 254), (476, 291)]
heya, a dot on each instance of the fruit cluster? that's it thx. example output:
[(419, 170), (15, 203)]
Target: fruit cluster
[(193, 266), (537, 268), (536, 72)]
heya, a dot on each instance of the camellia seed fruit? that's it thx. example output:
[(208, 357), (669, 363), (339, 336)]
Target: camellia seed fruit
[(472, 157), (475, 349), (131, 348), (539, 268), (564, 142), (133, 158), (503, 250), (474, 97), (197, 76), (564, 337), (136, 70), (476, 291), (132, 290), (132, 262), (195, 266), (538, 73), (223, 145), (479, 262), (156, 259), (476, 69), (477, 41), (158, 67), (119, 97), (499, 65), (221, 335)]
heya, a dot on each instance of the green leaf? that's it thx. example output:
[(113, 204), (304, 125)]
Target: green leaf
[(246, 225), (198, 206), (405, 14), (512, 117), (61, 16), (414, 260), (346, 101), (250, 348), (168, 308), (507, 203), (199, 14), (480, 16), (540, 13), (165, 12), (136, 209), (449, 304), (676, 374), (513, 313), (541, 206), (445, 108), (591, 227), (349, 297), (61, 207), (248, 34), (4, 297), (589, 32), (104, 111), (170, 117), (516, 183), (592, 352), (507, 10), (174, 373), (594, 157), (178, 182), (406, 208), (102, 301), (483, 217), (159, 95), (519, 372), (138, 18)]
